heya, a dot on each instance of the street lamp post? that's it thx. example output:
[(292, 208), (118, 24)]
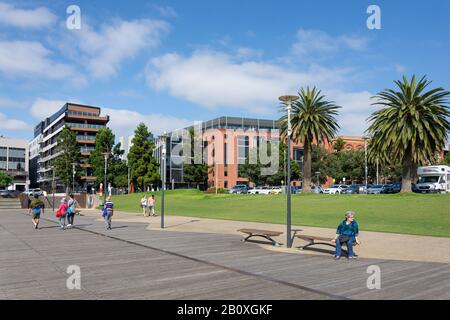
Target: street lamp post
[(288, 99), (318, 182), (106, 155), (163, 160), (73, 177), (365, 161)]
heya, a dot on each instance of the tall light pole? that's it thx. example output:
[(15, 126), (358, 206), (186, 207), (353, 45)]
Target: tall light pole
[(73, 177), (163, 178), (365, 161), (106, 155), (318, 182), (377, 170), (288, 99), (128, 178)]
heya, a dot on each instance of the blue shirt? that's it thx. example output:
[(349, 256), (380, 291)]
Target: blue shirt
[(351, 229)]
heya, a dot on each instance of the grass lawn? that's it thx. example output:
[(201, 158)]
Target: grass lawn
[(420, 214)]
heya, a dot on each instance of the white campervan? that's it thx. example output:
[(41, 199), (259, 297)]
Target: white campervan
[(433, 179)]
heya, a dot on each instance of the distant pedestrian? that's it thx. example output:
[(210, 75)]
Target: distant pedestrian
[(61, 213), (108, 208), (347, 232), (36, 207), (144, 205), (151, 205), (71, 210)]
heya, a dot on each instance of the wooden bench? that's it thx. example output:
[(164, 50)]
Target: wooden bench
[(313, 240), (266, 234)]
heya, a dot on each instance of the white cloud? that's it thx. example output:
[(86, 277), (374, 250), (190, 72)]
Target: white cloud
[(216, 80), (42, 108), (12, 124), (309, 42), (31, 58), (105, 50), (356, 108), (123, 122), (166, 11), (10, 103), (25, 18)]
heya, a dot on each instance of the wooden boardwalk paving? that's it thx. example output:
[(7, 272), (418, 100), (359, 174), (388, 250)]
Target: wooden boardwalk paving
[(130, 262)]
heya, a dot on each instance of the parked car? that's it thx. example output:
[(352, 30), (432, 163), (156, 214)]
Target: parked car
[(9, 193), (260, 190), (335, 189), (34, 192), (352, 189), (276, 190), (317, 189), (379, 188), (239, 189), (396, 187)]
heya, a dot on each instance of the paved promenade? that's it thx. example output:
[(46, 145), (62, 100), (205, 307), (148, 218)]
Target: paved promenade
[(132, 262)]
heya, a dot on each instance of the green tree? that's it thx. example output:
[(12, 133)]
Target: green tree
[(118, 168), (104, 142), (313, 120), (339, 144), (144, 168), (196, 173), (69, 153), (446, 160), (5, 179), (411, 127)]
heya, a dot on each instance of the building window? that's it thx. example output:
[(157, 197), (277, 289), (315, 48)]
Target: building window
[(298, 154)]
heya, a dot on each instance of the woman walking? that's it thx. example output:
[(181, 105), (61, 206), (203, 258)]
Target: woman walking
[(108, 208), (36, 208), (61, 213), (144, 205), (71, 210), (151, 205)]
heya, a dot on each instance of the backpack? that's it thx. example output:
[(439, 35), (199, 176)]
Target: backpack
[(36, 210)]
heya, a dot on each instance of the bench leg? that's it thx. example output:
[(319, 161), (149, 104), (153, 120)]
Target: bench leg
[(272, 241)]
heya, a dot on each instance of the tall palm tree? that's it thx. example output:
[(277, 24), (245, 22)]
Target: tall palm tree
[(411, 127), (313, 119)]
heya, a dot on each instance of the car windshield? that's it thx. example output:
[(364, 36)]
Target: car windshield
[(429, 179), (378, 186)]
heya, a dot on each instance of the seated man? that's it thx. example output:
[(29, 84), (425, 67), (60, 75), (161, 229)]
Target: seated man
[(347, 232)]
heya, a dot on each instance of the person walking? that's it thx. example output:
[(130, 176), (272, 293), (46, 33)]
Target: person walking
[(71, 210), (108, 212), (347, 232), (36, 207), (144, 205), (151, 205), (61, 213)]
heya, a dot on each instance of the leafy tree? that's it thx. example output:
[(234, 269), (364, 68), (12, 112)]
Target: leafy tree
[(5, 179), (104, 142), (339, 144), (313, 120), (411, 127), (119, 168), (446, 160), (144, 168), (192, 172), (69, 153)]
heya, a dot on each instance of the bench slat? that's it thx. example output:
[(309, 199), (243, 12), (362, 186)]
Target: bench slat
[(307, 237), (263, 232)]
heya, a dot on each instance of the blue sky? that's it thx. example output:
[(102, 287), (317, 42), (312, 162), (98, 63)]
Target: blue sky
[(169, 63)]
